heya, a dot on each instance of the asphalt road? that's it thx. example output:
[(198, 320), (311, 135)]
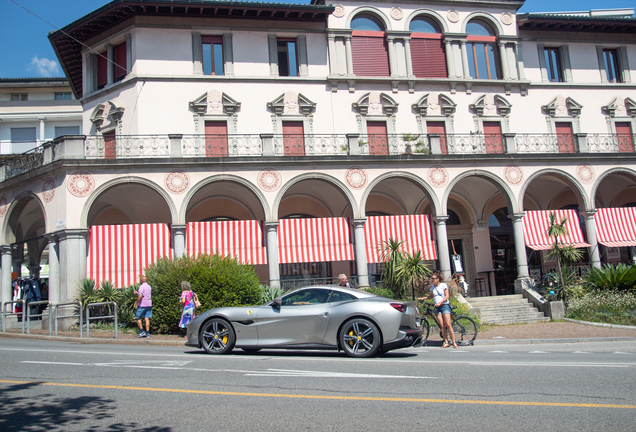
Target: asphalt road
[(49, 385)]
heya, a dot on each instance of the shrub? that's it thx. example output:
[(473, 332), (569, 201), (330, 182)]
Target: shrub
[(608, 306), (218, 281), (382, 292), (621, 277), (125, 306)]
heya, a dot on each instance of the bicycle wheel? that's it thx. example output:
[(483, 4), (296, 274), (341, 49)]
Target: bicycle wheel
[(465, 330), (426, 328)]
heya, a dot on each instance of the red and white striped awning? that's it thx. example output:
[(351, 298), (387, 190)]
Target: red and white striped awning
[(415, 230), (314, 240), (240, 239), (536, 224), (121, 253), (616, 227)]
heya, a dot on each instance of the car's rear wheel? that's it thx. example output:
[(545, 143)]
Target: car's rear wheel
[(359, 337), (217, 336)]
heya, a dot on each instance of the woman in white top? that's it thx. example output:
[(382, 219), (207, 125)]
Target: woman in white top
[(440, 292)]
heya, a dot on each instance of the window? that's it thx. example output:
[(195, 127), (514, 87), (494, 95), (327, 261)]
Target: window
[(427, 50), (23, 134), (212, 47), (612, 70), (19, 97), (66, 130), (63, 96), (624, 137), (481, 46), (492, 137), (306, 297), (565, 137), (120, 66), (438, 127), (378, 138), (553, 65), (102, 70), (369, 48), (287, 57), (613, 64)]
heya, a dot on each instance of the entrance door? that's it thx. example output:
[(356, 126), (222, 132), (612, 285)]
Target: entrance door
[(624, 137), (216, 139), (378, 140), (110, 145), (565, 138), (493, 137), (438, 127), (293, 138)]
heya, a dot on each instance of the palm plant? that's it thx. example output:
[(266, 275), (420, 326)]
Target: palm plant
[(270, 293), (621, 277), (391, 256), (126, 304), (563, 254), (108, 293), (412, 270)]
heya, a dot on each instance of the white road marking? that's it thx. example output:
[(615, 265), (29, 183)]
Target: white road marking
[(500, 352), (618, 352), (538, 352), (580, 352)]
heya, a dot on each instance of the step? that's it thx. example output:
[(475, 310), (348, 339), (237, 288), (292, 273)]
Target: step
[(520, 321), (495, 318)]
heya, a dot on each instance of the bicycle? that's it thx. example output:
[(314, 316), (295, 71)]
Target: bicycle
[(464, 327)]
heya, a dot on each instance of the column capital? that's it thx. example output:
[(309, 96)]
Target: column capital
[(516, 216), (5, 250), (178, 228), (68, 234), (588, 213), (52, 237), (271, 224), (441, 219), (359, 221)]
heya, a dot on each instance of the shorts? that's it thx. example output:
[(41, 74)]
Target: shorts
[(443, 309), (143, 312)]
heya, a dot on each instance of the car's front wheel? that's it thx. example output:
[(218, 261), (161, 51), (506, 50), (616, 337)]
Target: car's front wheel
[(359, 337), (217, 336)]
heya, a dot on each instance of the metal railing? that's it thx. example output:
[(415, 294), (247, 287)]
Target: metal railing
[(5, 313), (23, 163), (89, 318), (611, 143), (78, 315), (38, 315), (127, 146)]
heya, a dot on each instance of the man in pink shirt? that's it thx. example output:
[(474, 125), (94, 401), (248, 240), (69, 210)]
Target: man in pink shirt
[(144, 308)]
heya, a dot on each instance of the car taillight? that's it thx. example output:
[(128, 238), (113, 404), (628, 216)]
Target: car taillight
[(399, 307)]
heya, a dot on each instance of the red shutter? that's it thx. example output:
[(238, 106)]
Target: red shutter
[(378, 140), (438, 127), (493, 137), (370, 55), (293, 138), (624, 137), (102, 69), (120, 61), (428, 58), (110, 145), (216, 139), (565, 139)]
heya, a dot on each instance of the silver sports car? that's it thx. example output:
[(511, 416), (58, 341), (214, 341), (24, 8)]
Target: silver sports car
[(319, 317)]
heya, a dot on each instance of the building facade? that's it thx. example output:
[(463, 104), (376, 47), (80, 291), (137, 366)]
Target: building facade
[(299, 137)]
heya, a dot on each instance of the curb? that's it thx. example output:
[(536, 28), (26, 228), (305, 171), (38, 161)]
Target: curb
[(543, 341), (595, 324), (93, 341)]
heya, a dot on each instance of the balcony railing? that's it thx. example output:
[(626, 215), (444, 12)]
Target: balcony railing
[(23, 163), (614, 143), (127, 146)]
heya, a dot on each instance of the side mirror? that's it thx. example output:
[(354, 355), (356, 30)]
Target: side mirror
[(276, 303)]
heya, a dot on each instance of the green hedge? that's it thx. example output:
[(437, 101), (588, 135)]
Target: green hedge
[(218, 281)]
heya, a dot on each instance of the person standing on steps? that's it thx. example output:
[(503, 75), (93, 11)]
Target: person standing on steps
[(441, 293), (144, 307)]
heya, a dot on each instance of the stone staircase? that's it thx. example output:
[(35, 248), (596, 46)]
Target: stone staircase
[(507, 309)]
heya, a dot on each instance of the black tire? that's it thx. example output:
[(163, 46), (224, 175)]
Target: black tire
[(251, 350), (360, 338), (426, 330), (465, 330), (217, 336)]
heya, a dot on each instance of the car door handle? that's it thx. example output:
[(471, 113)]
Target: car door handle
[(324, 314)]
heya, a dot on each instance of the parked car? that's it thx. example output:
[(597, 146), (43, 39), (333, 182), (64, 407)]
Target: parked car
[(318, 317)]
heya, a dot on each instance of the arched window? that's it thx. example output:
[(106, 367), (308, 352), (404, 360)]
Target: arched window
[(483, 58), (428, 56), (369, 46)]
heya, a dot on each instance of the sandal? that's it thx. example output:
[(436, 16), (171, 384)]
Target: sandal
[(455, 345), (445, 345)]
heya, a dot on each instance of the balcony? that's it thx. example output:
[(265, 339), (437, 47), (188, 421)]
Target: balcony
[(351, 145)]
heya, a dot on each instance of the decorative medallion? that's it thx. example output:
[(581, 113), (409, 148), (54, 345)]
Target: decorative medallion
[(585, 173), (506, 18), (48, 189), (269, 180), (177, 182), (80, 184), (356, 177), (339, 11), (438, 176), (3, 205), (453, 16), (513, 174), (396, 13)]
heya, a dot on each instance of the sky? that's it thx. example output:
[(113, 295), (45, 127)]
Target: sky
[(25, 51)]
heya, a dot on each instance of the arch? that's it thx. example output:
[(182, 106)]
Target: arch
[(496, 181), (604, 175), (371, 11), (568, 178), (483, 16), (7, 217), (123, 180), (400, 174), (313, 176), (427, 13), (221, 177)]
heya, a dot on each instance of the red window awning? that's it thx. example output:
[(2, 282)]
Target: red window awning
[(240, 239), (536, 224), (616, 227), (314, 240), (120, 253), (415, 230)]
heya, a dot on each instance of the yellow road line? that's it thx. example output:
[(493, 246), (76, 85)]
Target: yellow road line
[(357, 398)]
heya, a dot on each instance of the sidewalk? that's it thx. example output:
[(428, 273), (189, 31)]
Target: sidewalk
[(514, 333)]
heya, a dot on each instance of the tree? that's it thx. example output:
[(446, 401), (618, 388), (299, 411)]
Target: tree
[(391, 256), (411, 270), (562, 253)]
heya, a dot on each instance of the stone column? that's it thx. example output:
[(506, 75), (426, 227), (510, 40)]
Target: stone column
[(110, 54), (523, 275), (393, 66), (72, 261), (178, 240), (442, 246), (54, 270), (504, 61), (272, 253), (175, 145), (333, 59), (42, 130), (450, 64), (409, 61), (361, 252), (349, 55), (6, 294), (465, 60), (590, 227)]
